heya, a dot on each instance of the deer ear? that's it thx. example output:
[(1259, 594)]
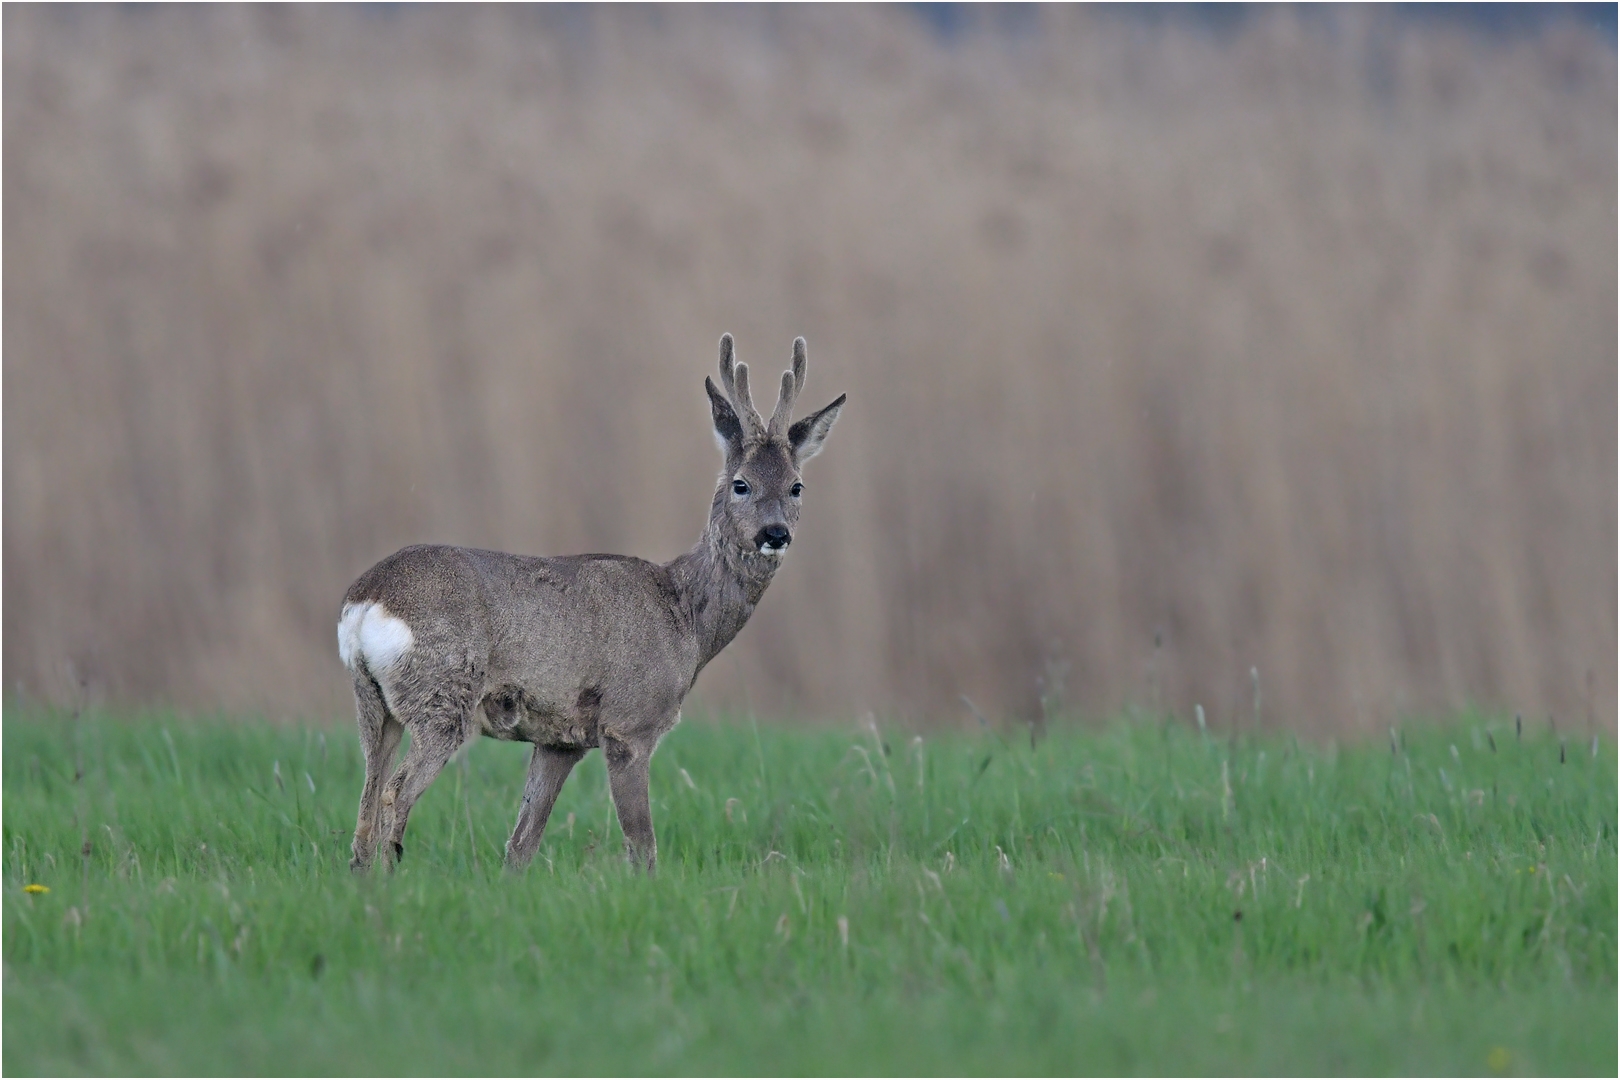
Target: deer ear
[(807, 435), (727, 428)]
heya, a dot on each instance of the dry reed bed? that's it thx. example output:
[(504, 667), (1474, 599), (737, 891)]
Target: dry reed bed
[(1289, 347)]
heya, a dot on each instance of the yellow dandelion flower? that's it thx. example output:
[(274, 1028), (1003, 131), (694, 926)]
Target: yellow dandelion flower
[(36, 889), (1499, 1060)]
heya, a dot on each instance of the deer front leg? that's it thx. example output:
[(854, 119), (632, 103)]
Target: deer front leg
[(548, 768), (627, 766)]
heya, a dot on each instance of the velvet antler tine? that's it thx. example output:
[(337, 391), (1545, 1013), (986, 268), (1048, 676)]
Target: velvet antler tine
[(744, 400), (734, 377), (792, 384), (728, 363), (799, 361), (784, 405)]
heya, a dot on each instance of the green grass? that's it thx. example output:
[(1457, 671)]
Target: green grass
[(1068, 908)]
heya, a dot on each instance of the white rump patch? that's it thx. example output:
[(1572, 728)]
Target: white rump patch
[(367, 631)]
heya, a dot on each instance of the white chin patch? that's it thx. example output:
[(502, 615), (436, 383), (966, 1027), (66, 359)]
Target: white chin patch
[(773, 552), (368, 632)]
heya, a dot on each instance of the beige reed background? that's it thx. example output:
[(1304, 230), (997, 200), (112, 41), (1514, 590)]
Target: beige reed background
[(1285, 343)]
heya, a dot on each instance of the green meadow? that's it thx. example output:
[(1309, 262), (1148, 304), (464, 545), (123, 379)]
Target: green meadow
[(1135, 897)]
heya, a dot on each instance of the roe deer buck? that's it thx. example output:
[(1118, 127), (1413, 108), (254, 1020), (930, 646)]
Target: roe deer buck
[(572, 652)]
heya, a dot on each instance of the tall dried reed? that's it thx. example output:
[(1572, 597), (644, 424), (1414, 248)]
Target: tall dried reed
[(1288, 345)]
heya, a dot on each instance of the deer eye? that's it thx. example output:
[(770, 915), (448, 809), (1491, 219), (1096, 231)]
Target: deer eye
[(739, 486), (797, 490)]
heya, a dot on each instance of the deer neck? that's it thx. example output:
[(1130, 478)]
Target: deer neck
[(719, 585)]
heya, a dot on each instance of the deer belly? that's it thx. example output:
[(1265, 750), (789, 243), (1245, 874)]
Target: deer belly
[(512, 714)]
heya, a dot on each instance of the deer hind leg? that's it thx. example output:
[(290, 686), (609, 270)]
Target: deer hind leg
[(380, 734), (627, 765), (440, 723), (432, 745), (548, 768)]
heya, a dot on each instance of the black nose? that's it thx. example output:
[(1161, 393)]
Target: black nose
[(773, 536)]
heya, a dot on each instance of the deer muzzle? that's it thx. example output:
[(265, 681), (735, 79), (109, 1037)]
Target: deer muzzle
[(773, 539)]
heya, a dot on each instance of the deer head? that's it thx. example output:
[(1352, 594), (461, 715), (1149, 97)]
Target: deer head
[(756, 505)]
